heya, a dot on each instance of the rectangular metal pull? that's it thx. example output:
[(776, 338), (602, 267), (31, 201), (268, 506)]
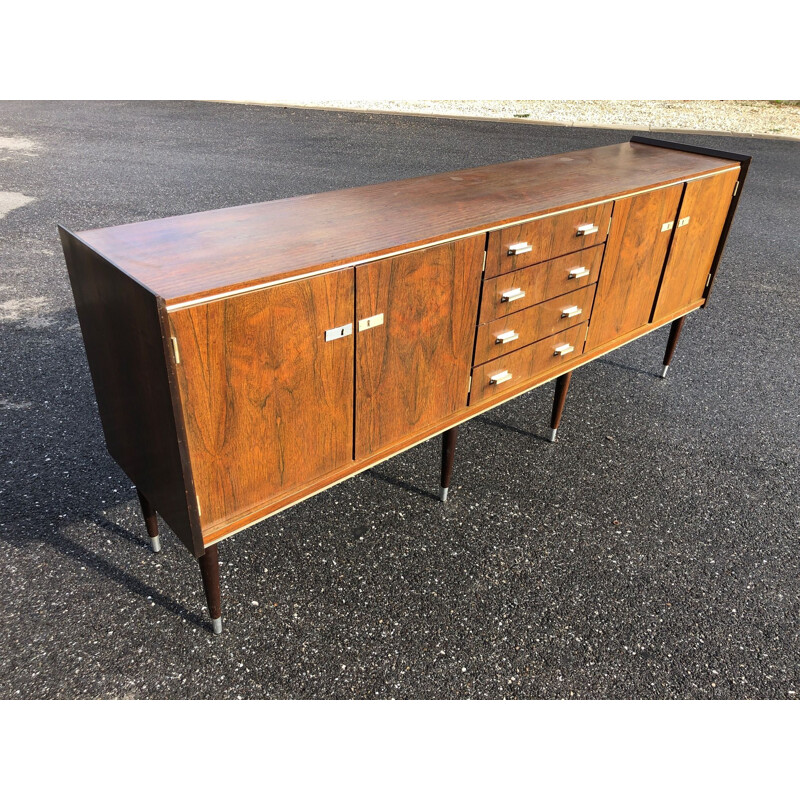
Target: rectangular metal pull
[(500, 377), (563, 349), (518, 248), (586, 230), (667, 226), (338, 333), (504, 338), (175, 351), (370, 322), (578, 272), (572, 311), (511, 295), (683, 221)]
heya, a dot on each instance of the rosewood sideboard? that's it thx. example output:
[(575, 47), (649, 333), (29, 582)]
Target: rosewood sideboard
[(247, 358)]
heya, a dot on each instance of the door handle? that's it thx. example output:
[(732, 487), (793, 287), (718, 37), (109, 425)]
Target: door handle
[(578, 272), (500, 377), (518, 248), (370, 322), (339, 333), (511, 295)]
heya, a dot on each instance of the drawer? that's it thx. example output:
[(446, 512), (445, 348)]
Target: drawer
[(517, 330), (527, 287), (531, 242), (502, 374)]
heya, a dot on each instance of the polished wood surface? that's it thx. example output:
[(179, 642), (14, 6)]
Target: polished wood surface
[(532, 324), (525, 364), (123, 333), (197, 255), (635, 254), (539, 283), (269, 403), (548, 238), (475, 408), (705, 204), (414, 368), (559, 399)]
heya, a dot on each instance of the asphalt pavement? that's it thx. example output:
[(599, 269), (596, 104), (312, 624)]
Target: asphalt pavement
[(653, 552)]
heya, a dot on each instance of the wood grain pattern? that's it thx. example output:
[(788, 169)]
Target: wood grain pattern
[(540, 282), (548, 238), (414, 368), (121, 323), (635, 254), (475, 408), (197, 255), (526, 364), (706, 203), (269, 403), (532, 324)]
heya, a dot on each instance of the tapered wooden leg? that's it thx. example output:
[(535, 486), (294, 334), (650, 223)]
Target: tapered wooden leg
[(209, 567), (448, 454), (150, 521), (672, 343), (562, 385)]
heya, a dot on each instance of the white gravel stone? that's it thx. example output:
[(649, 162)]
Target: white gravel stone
[(754, 117)]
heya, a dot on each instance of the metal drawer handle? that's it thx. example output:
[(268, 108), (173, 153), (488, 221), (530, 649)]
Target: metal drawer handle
[(586, 230), (511, 295), (504, 338), (563, 349), (572, 311), (683, 221), (501, 377), (338, 333), (518, 248), (578, 272)]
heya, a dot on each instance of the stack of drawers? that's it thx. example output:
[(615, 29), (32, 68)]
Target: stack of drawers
[(537, 296)]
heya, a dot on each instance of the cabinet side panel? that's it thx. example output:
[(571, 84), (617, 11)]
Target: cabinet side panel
[(122, 334)]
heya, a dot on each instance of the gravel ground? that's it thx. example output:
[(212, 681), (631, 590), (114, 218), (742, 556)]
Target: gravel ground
[(651, 553), (760, 117)]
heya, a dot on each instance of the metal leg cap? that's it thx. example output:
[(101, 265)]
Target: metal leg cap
[(155, 543), (552, 434), (443, 490), (664, 370), (216, 624)]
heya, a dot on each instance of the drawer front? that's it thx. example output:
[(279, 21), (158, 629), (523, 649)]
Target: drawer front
[(502, 374), (522, 245), (514, 331), (527, 287)]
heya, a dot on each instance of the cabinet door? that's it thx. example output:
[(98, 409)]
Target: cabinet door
[(632, 265), (413, 362), (268, 402), (701, 218)]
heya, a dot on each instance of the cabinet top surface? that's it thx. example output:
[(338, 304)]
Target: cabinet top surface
[(196, 255)]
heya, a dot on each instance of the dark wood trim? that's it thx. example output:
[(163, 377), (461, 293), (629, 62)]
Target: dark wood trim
[(449, 438), (209, 568), (672, 342), (149, 514), (744, 162), (559, 399)]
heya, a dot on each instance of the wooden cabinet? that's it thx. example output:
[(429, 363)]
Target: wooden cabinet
[(244, 359)]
